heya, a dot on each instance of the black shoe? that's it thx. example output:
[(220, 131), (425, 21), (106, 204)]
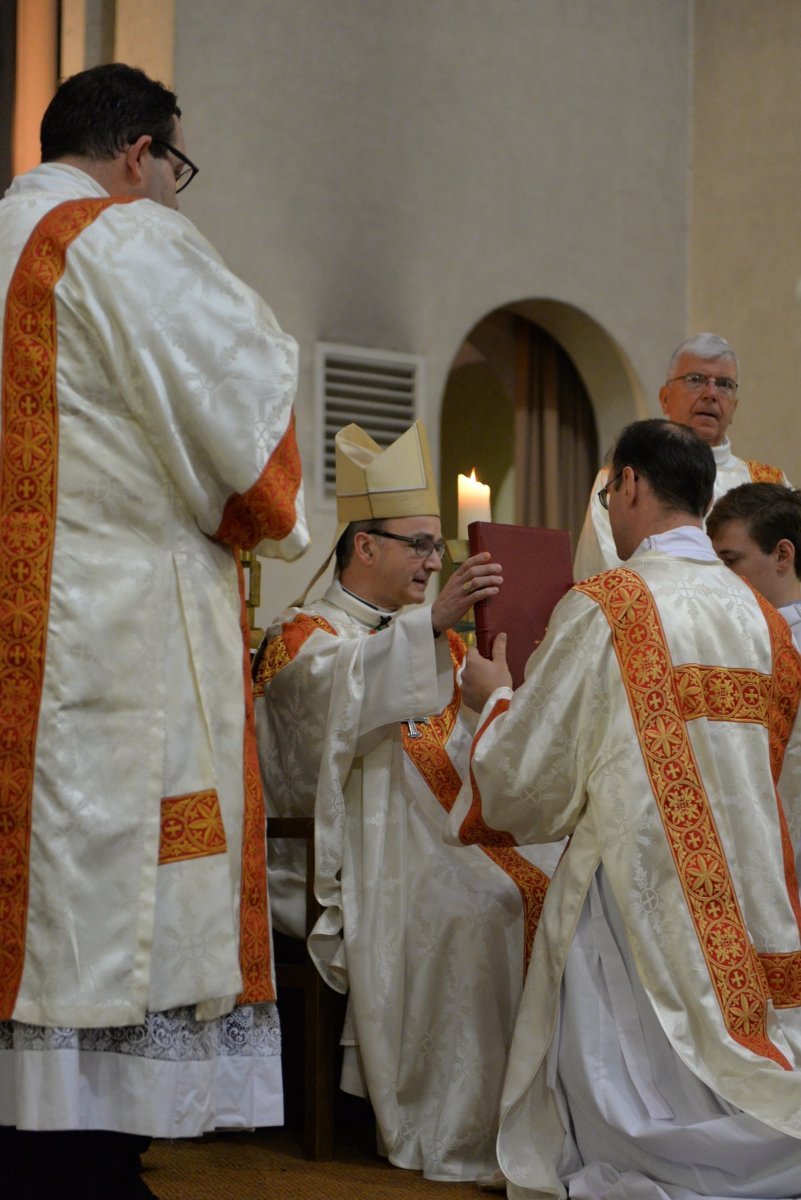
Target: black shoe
[(92, 1164)]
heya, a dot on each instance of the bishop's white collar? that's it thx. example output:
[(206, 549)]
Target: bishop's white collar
[(362, 610)]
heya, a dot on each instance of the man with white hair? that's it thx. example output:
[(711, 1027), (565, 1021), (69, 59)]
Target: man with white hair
[(701, 391)]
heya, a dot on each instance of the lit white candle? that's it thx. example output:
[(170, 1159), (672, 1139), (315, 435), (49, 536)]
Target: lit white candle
[(474, 502)]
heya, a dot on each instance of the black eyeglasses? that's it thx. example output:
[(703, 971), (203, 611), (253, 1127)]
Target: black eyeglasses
[(603, 494), (187, 172), (423, 545)]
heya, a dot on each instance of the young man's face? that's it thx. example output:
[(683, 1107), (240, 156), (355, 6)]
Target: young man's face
[(738, 550)]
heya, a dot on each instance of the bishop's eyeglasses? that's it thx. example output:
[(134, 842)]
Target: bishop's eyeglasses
[(423, 544)]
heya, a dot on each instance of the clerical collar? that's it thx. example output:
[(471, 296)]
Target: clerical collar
[(722, 453), (686, 541), (379, 618)]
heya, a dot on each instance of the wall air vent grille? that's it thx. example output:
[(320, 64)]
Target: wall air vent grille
[(377, 389)]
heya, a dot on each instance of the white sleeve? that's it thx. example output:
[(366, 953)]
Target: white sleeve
[(407, 671), (596, 546), (199, 361)]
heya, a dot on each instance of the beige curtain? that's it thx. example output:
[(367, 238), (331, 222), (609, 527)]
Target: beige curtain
[(556, 441)]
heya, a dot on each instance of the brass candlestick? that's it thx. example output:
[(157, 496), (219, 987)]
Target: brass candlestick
[(251, 564), (458, 550)]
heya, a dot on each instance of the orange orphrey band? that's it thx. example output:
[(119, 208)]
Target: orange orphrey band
[(254, 931), (285, 646), (655, 699), (763, 472), (428, 752), (474, 828), (267, 509), (28, 503), (191, 827)]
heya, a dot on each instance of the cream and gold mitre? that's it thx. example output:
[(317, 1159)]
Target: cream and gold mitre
[(372, 483), (375, 484)]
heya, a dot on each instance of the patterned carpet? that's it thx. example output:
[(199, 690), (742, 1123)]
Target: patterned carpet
[(269, 1165)]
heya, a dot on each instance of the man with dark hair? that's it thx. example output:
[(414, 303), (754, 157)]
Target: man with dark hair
[(701, 391), (657, 1050), (756, 531), (345, 546), (680, 473), (100, 113), (361, 725), (147, 434)]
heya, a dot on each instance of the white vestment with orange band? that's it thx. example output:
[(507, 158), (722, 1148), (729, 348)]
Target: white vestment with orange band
[(430, 940), (147, 434), (651, 725), (596, 547)]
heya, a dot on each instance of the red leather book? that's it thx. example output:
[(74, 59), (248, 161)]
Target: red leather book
[(537, 568)]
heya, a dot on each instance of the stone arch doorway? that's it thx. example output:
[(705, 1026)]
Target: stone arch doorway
[(535, 393)]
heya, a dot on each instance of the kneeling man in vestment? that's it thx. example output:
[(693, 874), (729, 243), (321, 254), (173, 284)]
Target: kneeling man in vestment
[(657, 1051)]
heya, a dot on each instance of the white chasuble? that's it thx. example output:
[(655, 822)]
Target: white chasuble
[(363, 728), (657, 728), (147, 433)]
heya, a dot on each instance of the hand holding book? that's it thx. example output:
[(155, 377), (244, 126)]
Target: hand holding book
[(477, 578)]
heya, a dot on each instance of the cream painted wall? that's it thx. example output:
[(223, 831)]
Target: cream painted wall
[(134, 42), (746, 229), (386, 173)]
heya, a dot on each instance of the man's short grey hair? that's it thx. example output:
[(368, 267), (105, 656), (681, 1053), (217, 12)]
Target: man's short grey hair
[(702, 345)]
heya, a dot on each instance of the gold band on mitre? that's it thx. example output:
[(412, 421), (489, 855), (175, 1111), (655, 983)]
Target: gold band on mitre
[(376, 484)]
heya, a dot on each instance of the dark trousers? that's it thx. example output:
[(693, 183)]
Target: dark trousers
[(86, 1164)]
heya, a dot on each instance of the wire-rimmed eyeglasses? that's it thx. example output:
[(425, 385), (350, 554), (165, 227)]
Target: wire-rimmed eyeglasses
[(423, 544), (187, 172), (694, 381)]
